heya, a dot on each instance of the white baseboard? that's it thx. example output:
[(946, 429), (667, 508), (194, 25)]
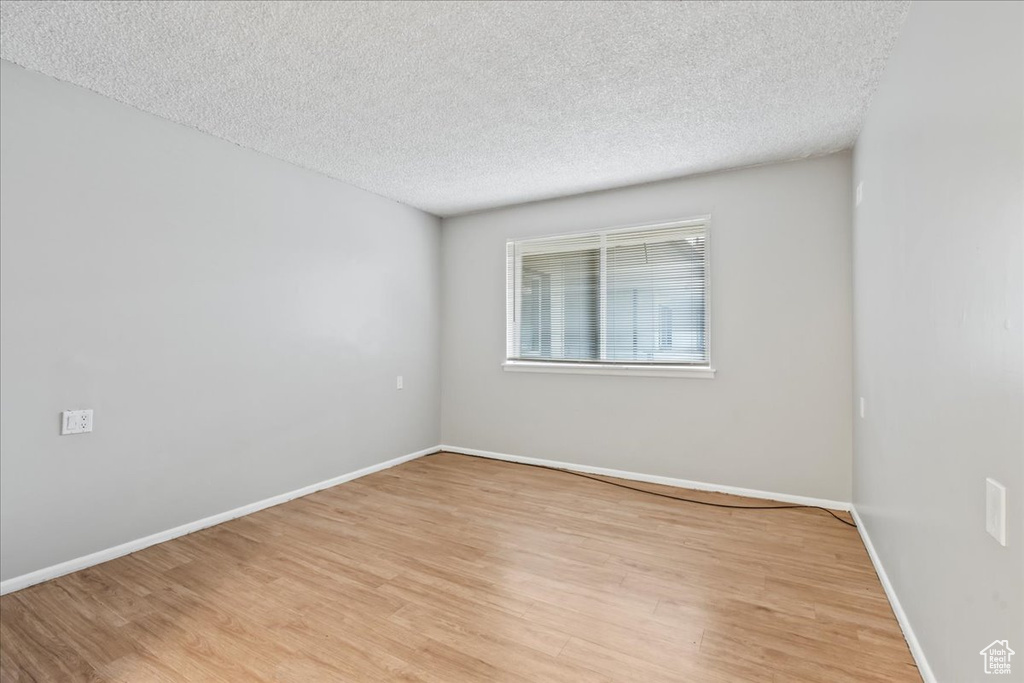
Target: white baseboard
[(901, 616), (47, 573), (655, 479)]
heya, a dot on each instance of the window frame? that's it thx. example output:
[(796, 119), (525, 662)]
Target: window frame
[(513, 304)]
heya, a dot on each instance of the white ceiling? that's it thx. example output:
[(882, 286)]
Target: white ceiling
[(458, 106)]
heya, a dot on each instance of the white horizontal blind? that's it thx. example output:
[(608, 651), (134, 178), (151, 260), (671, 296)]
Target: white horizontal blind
[(636, 296), (556, 292)]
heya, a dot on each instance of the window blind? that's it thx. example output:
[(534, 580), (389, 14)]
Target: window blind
[(633, 296)]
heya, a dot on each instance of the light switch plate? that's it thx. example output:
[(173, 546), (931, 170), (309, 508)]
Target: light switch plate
[(995, 510), (76, 422), (400, 384)]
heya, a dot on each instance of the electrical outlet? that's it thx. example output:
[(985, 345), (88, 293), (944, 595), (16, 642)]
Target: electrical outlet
[(76, 422), (860, 193), (995, 510), (862, 407), (400, 383)]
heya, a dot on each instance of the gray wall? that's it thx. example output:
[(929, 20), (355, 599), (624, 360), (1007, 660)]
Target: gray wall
[(778, 415), (237, 323), (938, 314)]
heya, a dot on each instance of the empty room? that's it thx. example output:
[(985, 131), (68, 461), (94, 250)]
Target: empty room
[(511, 341)]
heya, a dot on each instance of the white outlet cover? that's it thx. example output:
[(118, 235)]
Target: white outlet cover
[(862, 406), (400, 383), (860, 193), (76, 422), (995, 510)]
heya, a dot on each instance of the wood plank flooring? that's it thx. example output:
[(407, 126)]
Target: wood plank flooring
[(451, 568)]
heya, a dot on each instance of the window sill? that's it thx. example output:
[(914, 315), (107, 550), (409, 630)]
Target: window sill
[(690, 371)]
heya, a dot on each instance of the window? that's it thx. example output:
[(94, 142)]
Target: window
[(625, 301)]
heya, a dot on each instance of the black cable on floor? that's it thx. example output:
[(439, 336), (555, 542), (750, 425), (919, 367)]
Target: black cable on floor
[(665, 495)]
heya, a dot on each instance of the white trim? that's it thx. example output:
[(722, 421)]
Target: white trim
[(52, 572), (656, 479), (692, 371), (901, 617)]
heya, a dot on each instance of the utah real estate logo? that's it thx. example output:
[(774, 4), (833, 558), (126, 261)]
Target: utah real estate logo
[(997, 657)]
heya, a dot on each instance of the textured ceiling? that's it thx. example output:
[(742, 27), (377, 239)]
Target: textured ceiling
[(452, 107)]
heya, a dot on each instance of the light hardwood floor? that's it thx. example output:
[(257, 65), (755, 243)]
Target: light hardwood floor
[(451, 568)]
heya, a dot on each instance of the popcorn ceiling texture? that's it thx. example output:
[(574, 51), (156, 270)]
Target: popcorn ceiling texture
[(457, 106)]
